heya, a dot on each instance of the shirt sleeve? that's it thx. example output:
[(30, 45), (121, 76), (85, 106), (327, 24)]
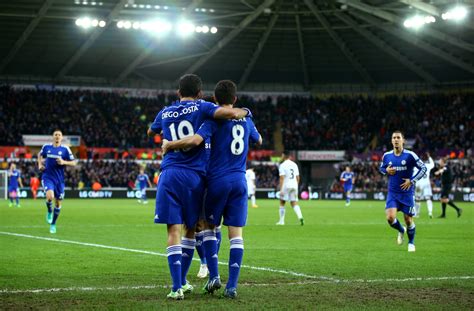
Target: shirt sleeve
[(297, 170), (43, 151), (207, 129), (254, 134), (156, 125), (281, 170), (342, 176), (209, 109), (68, 154), (383, 165), (420, 166)]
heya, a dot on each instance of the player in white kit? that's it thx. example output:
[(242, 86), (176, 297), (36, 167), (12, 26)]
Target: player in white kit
[(423, 189), (289, 180), (250, 177)]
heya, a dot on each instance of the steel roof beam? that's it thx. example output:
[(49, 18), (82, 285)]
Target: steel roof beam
[(397, 20), (417, 42), (229, 37), (304, 67), (258, 51), (92, 38), (384, 46), (340, 43), (25, 35)]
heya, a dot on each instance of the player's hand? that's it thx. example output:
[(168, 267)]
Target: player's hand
[(391, 170), (60, 161), (164, 146), (41, 167), (406, 184)]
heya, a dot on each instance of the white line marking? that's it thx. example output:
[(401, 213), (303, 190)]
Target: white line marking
[(316, 279), (138, 287), (164, 255)]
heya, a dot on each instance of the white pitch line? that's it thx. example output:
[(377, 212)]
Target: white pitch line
[(139, 287), (164, 255), (316, 279)]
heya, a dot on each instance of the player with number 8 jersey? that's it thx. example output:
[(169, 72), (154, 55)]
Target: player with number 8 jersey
[(180, 189)]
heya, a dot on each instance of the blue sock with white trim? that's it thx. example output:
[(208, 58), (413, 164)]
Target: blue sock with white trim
[(235, 261), (174, 263), (219, 238), (411, 233), (187, 247), (57, 210), (200, 248), (396, 225), (49, 205), (210, 249)]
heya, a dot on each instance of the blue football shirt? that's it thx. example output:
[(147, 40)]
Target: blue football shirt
[(13, 178), (404, 165), (53, 170), (180, 120), (348, 176), (229, 145), (142, 180)]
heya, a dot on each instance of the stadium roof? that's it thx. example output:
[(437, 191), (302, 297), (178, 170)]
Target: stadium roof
[(301, 42)]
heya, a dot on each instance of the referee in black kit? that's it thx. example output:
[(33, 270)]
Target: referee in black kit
[(446, 185)]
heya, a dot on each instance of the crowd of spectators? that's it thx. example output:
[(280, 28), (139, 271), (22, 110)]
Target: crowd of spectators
[(355, 124), (102, 119), (434, 122)]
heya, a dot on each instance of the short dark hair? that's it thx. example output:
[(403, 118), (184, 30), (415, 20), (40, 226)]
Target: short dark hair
[(398, 131), (224, 92), (286, 153), (190, 85)]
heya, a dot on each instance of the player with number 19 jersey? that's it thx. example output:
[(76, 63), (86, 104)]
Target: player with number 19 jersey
[(226, 183), (181, 183)]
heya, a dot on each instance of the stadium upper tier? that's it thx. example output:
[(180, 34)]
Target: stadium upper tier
[(354, 124)]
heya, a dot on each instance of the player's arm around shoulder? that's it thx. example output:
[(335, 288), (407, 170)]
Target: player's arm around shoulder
[(188, 142), (231, 113)]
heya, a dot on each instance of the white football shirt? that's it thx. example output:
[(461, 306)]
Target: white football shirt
[(290, 170)]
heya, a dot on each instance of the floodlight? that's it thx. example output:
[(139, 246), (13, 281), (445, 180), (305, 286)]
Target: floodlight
[(136, 25), (127, 24), (95, 23), (120, 24), (185, 28), (79, 22), (198, 29), (205, 29), (102, 24), (213, 29), (86, 22)]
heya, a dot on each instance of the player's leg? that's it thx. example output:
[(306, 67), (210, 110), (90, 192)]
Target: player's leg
[(11, 196), (411, 230), (174, 254), (218, 237), (58, 195), (429, 205), (203, 271), (236, 254), (17, 198), (188, 244), (458, 210), (391, 215), (283, 199), (34, 191), (144, 198), (348, 196), (296, 207), (48, 187)]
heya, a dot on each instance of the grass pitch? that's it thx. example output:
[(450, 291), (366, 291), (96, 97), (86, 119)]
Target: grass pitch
[(108, 254)]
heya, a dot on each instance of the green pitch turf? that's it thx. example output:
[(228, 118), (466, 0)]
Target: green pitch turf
[(108, 254)]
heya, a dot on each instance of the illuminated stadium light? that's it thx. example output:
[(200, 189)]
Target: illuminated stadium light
[(198, 29), (79, 22), (148, 6), (77, 2), (141, 6), (93, 3), (120, 24), (458, 13), (418, 21), (185, 29), (127, 24), (102, 24), (136, 25), (86, 22), (165, 7), (95, 23), (205, 29), (213, 29), (85, 3), (157, 7), (203, 10), (211, 10)]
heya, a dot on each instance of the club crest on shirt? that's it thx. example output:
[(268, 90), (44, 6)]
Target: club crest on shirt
[(60, 153), (404, 162)]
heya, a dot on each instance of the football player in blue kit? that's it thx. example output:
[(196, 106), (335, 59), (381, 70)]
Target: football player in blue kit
[(226, 184), (347, 177), (143, 181), (399, 164), (180, 189), (14, 182), (51, 161)]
